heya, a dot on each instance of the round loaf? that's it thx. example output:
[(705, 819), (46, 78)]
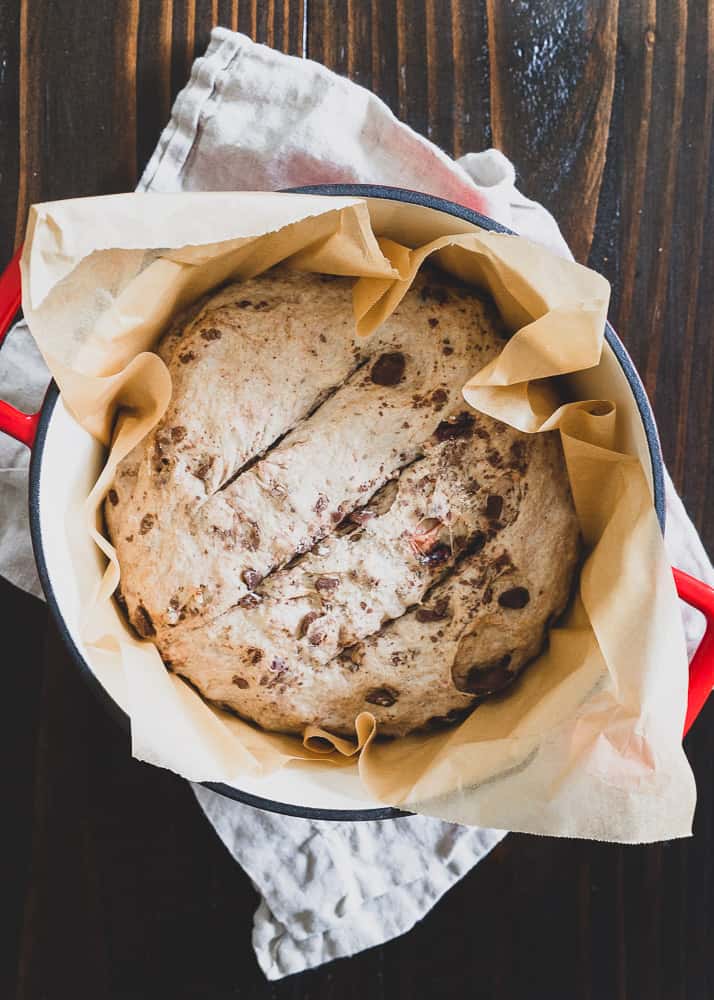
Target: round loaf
[(320, 526)]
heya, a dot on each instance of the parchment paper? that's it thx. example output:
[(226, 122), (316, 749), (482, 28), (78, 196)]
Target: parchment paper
[(588, 743)]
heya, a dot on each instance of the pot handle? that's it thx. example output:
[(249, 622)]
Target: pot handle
[(701, 669), (19, 425)]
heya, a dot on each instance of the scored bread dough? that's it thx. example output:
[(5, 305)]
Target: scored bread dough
[(320, 526)]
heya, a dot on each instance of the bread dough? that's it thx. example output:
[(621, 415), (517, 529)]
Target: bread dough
[(320, 526)]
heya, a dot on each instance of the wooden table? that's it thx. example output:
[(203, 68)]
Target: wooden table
[(113, 885)]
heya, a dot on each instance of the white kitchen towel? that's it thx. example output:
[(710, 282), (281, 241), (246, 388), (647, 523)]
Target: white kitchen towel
[(251, 118), (332, 889)]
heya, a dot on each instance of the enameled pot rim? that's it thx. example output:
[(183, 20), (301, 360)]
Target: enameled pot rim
[(52, 396)]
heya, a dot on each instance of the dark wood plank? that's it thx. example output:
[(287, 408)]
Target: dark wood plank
[(227, 14), (153, 73), (552, 78), (381, 70), (24, 616), (77, 127), (690, 295), (471, 86), (278, 23), (9, 125), (130, 889), (329, 26), (183, 42), (64, 863)]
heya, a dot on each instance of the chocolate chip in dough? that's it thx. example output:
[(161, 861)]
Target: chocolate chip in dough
[(435, 614), (487, 680), (436, 556), (456, 427), (388, 369), (518, 456), (494, 506), (475, 543), (240, 682), (113, 497), (249, 601), (439, 398), (211, 334), (514, 599), (383, 696), (143, 623), (326, 584), (147, 523)]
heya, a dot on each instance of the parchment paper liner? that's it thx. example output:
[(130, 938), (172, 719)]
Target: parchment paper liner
[(588, 743)]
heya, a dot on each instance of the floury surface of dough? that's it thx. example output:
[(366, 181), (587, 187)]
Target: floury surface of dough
[(320, 526)]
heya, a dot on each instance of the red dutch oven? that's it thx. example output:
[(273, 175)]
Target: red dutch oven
[(393, 210)]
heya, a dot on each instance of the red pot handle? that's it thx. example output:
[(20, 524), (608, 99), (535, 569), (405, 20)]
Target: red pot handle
[(701, 669), (19, 425)]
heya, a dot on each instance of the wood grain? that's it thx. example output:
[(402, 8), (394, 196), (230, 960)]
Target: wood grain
[(113, 883), (18, 745), (76, 136), (471, 115), (652, 218), (9, 125), (552, 78)]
